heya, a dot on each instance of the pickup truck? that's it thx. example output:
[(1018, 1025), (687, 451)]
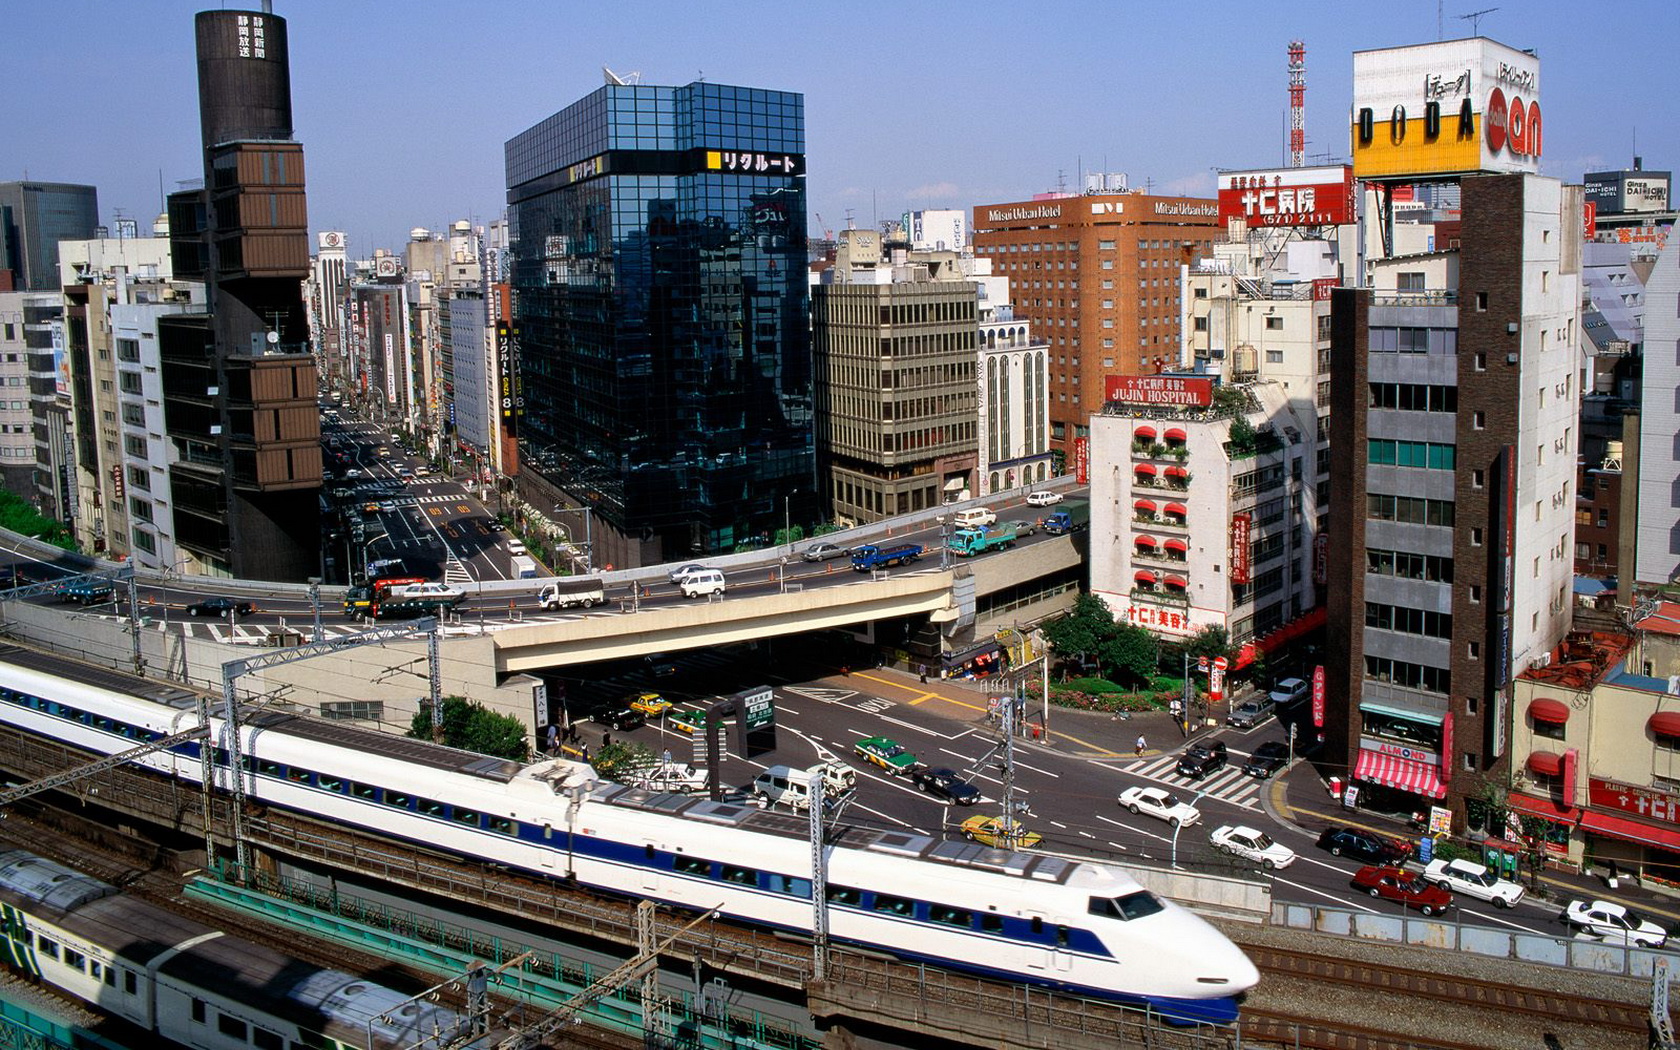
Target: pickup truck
[(869, 556), (88, 592), (1073, 517), (576, 590), (969, 542)]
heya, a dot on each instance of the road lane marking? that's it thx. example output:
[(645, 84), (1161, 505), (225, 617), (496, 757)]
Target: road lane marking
[(1340, 902)]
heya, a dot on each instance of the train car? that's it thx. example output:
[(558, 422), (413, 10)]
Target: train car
[(193, 984), (1078, 927)]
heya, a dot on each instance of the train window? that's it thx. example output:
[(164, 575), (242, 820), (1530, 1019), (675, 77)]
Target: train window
[(791, 885), (103, 723), (1038, 924), (691, 865), (299, 776), (1061, 936), (330, 783), (465, 816), (220, 758), (845, 896), (428, 807), (232, 1027), (991, 923), (648, 851), (1137, 905), (312, 1040), (739, 876), (75, 959), (270, 769), (198, 1010), (367, 791), (502, 826), (44, 946), (8, 696), (894, 905), (131, 983), (263, 1039), (401, 801), (950, 916)]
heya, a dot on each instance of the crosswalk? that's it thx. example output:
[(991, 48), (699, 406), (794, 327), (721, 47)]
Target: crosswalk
[(1230, 784), (456, 572)]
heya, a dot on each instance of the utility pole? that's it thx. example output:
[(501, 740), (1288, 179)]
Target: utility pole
[(1008, 721), (819, 877)]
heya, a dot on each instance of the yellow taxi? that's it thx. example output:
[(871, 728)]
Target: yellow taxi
[(995, 831), (650, 704)]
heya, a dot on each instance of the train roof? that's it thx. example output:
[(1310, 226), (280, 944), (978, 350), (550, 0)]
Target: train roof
[(166, 693), (31, 878)]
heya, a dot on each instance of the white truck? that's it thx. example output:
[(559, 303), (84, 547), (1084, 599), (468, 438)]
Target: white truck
[(573, 590), (524, 567), (791, 787)]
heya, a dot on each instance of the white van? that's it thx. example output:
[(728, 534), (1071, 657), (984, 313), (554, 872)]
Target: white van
[(703, 583), (974, 517), (792, 787)]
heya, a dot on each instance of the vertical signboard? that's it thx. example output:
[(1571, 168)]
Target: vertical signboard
[(1446, 747), (1082, 460), (1240, 566), (1321, 558), (1318, 697), (1216, 679)]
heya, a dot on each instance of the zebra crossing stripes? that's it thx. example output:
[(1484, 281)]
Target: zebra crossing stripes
[(1230, 784), (455, 572)]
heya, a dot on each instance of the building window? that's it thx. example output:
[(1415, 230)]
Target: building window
[(1549, 730), (1481, 308), (1469, 761), (1478, 421)]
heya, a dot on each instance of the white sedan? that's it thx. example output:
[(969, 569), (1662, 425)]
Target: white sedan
[(1043, 498), (1474, 880), (1163, 805), (1254, 845), (1615, 924)]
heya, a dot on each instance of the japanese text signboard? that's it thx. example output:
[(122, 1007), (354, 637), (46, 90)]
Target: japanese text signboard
[(1190, 391), (1288, 197)]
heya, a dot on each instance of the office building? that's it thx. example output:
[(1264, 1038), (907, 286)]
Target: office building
[(662, 373), (1658, 543), (34, 217), (324, 291), (239, 382), (30, 326), (1098, 277), (937, 230)]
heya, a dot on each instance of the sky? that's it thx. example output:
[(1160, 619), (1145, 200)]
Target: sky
[(403, 109)]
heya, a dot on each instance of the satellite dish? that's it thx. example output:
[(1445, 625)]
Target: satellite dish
[(273, 337)]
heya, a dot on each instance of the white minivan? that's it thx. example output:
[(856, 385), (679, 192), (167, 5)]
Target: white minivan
[(702, 584), (974, 516)]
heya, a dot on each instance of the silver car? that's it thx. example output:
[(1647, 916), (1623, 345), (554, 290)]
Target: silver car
[(825, 551)]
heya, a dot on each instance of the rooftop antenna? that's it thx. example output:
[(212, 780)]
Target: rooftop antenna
[(626, 80), (1297, 104), (1440, 17), (1475, 19)]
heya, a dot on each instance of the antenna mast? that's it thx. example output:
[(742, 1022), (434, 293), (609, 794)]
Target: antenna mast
[(1297, 104), (1475, 19)]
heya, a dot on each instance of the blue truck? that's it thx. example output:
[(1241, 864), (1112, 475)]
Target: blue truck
[(869, 556), (1073, 517), (969, 542)]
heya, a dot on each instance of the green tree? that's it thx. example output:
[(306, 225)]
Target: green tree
[(471, 726), (1243, 435), (1082, 631), (622, 755), (1210, 642), (17, 515), (1129, 653)]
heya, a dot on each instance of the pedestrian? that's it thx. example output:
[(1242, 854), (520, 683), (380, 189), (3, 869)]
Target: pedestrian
[(606, 739), (553, 738), (666, 757), (922, 670), (1141, 744), (1612, 875)]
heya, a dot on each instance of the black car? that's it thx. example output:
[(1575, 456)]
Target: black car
[(220, 607), (1203, 759), (616, 714), (1373, 849), (944, 783), (1267, 759)]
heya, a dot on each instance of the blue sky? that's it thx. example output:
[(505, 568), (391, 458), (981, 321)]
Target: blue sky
[(403, 108)]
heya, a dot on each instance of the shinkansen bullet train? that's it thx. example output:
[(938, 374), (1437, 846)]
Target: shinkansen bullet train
[(1082, 928)]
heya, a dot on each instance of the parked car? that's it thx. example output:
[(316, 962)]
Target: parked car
[(690, 722), (1289, 691), (1475, 880), (1360, 845), (1163, 805), (945, 784), (220, 607), (825, 552), (1407, 888), (1615, 924), (617, 714), (1251, 713), (1000, 832), (1267, 759), (889, 754), (651, 705), (1252, 844), (1024, 528), (495, 525), (1043, 498), (1202, 759)]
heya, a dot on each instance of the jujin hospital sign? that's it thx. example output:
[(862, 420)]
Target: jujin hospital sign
[(1189, 391)]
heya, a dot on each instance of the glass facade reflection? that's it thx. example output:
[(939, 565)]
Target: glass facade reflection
[(659, 266)]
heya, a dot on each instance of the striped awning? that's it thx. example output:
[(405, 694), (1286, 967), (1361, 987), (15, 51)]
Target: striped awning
[(1403, 773)]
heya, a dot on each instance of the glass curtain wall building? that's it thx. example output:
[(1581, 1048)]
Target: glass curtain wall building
[(664, 373)]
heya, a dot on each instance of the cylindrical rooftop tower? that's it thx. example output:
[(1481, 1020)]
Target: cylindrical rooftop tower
[(244, 77)]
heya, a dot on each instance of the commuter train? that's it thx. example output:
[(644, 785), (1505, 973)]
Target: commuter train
[(1078, 927), (192, 984)]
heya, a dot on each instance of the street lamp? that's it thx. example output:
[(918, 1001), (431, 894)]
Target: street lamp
[(944, 542), (588, 533), (367, 548), (787, 517)]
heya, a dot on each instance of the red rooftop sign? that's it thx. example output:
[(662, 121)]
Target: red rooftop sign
[(1191, 391), (1288, 196)]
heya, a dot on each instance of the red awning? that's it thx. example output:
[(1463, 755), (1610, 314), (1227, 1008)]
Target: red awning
[(1176, 581), (1543, 808), (1293, 630), (1175, 434), (1144, 506), (1177, 472), (1145, 541), (1630, 830), (1176, 508), (1144, 433), (1146, 577), (1245, 656), (1177, 545), (1665, 722), (1403, 773), (1145, 468), (1545, 763), (1545, 710)]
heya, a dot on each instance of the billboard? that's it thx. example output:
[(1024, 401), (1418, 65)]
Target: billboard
[(1192, 391), (1288, 196), (1627, 192), (1082, 460), (1240, 568), (1445, 108)]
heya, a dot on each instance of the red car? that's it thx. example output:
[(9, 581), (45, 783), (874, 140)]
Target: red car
[(1406, 887)]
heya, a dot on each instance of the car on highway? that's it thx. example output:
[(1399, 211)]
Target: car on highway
[(1202, 759), (387, 507), (1161, 804), (825, 552), (1473, 880), (87, 592), (430, 590), (1404, 887), (495, 525), (220, 607), (1253, 845), (1043, 498), (370, 507), (1024, 528), (353, 472), (652, 705), (887, 753), (422, 471), (1000, 832), (1251, 713), (1615, 924), (617, 714), (1267, 759), (1362, 845), (947, 785), (676, 575)]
